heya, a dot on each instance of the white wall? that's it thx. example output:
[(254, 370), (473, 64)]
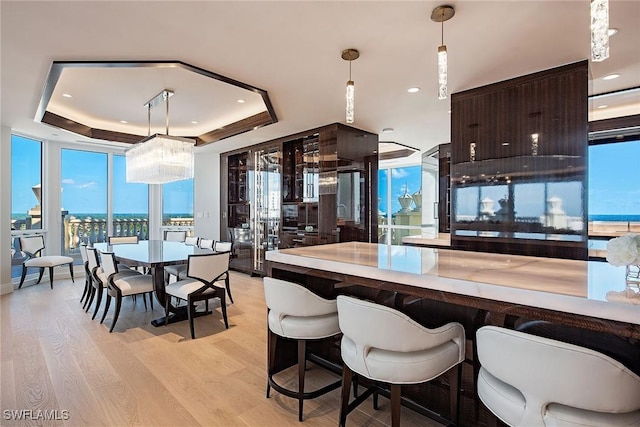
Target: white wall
[(5, 210), (206, 205)]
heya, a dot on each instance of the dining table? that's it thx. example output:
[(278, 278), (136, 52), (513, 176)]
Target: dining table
[(155, 255)]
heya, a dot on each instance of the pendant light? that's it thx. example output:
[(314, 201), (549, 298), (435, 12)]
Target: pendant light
[(599, 30), (441, 14), (350, 55)]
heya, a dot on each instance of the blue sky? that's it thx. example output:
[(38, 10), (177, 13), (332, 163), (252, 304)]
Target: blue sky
[(614, 184), (84, 183)]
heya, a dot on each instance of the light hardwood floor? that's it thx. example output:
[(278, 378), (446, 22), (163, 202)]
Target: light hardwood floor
[(54, 357)]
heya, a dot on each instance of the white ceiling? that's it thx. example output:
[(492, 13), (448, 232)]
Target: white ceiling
[(292, 50)]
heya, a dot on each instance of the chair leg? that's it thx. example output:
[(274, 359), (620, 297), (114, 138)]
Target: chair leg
[(98, 301), (347, 377), (86, 288), (226, 283), (90, 300), (71, 272), (455, 376), (151, 300), (395, 405), (191, 311), (116, 313), (144, 300), (51, 277), (271, 355), (302, 352), (41, 274), (24, 274), (106, 308), (223, 305), (375, 399)]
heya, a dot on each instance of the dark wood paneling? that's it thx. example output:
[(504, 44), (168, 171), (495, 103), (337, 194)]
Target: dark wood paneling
[(503, 120)]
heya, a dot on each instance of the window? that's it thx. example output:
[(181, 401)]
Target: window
[(130, 203), (26, 190), (400, 203), (177, 204), (26, 179), (84, 198)]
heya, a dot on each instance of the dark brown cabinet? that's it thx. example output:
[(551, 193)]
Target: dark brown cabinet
[(315, 187)]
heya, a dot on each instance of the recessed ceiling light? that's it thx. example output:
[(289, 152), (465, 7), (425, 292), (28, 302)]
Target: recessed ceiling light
[(124, 121), (241, 101), (449, 111), (66, 95), (387, 130), (505, 144), (413, 89), (612, 31), (602, 106), (194, 122), (611, 77)]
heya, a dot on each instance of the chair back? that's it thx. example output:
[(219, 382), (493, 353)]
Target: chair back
[(291, 299), (222, 247), (120, 240), (109, 264), (32, 245), (175, 236), (83, 253), (207, 267), (191, 240), (206, 243), (547, 371), (92, 259), (373, 325)]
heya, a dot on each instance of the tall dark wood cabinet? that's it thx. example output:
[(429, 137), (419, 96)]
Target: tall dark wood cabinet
[(518, 165), (314, 187)]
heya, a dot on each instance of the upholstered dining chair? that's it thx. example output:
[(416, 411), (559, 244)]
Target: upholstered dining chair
[(206, 243), (120, 284), (203, 271), (121, 240), (298, 314), (87, 273), (527, 380), (222, 246), (175, 236), (180, 270), (33, 246), (387, 346)]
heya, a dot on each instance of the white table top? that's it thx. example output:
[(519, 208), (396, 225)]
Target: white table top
[(579, 287)]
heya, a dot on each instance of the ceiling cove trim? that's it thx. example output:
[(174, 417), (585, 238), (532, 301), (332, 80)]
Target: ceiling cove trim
[(229, 130)]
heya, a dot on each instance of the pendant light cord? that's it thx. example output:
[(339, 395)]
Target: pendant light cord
[(149, 119), (442, 27)]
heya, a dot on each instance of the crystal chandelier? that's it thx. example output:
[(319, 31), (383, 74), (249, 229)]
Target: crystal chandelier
[(158, 158), (599, 30), (441, 14), (350, 55)]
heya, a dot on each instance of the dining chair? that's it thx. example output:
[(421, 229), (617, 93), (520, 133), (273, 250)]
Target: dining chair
[(33, 246), (386, 346), (87, 273), (222, 247), (180, 270), (528, 380), (120, 284), (191, 240), (120, 240), (206, 243), (296, 313), (175, 236), (203, 271)]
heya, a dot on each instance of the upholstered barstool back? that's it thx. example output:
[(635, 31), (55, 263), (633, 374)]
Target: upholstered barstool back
[(529, 380), (297, 313), (385, 345)]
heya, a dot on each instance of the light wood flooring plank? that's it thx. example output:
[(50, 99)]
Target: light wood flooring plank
[(55, 357)]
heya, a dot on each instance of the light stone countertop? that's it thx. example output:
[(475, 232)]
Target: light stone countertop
[(572, 286)]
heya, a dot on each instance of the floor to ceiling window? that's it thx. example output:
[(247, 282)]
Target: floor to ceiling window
[(130, 203), (399, 203), (26, 193), (84, 198), (177, 205)]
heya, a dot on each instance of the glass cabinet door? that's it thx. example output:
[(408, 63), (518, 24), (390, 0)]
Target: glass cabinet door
[(311, 155), (266, 209)]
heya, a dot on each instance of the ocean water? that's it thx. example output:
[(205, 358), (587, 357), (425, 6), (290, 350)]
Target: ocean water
[(624, 218)]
